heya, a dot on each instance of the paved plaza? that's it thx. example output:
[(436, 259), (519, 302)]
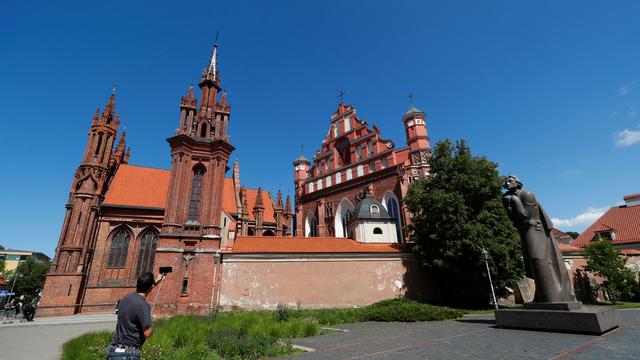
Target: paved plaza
[(473, 337)]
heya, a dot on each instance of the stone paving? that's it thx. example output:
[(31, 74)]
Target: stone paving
[(474, 337)]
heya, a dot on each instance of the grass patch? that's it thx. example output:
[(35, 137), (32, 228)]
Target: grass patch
[(619, 304), (251, 334)]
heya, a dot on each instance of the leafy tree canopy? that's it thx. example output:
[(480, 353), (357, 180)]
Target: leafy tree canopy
[(607, 262), (457, 212), (2, 263), (30, 276), (573, 234)]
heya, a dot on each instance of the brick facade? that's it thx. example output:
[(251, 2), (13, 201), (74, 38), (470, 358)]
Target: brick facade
[(123, 220)]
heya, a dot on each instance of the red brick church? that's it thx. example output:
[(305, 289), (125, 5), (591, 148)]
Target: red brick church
[(122, 220)]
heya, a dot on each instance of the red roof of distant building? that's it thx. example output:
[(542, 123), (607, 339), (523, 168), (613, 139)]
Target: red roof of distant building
[(558, 233), (632, 196), (631, 252), (624, 221), (297, 245), (3, 282), (139, 186), (567, 248)]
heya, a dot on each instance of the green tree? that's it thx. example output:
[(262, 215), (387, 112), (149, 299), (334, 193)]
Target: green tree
[(573, 234), (30, 276), (608, 262), (457, 212), (2, 263)]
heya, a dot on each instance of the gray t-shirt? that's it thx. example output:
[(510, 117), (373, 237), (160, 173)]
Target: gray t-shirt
[(134, 314)]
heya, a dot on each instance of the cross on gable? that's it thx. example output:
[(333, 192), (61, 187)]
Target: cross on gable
[(341, 96)]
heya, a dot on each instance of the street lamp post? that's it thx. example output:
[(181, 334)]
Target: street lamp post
[(485, 255)]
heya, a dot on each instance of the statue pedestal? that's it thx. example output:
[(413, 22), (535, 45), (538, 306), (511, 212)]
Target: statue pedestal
[(559, 317)]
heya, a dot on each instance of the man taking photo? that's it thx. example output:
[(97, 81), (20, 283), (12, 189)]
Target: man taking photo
[(134, 320)]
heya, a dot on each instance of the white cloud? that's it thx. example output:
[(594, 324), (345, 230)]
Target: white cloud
[(584, 219), (624, 90), (633, 112), (627, 137)]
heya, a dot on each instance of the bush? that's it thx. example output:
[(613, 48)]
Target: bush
[(281, 313)]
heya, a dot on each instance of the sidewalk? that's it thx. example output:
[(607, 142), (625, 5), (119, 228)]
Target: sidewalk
[(43, 337), (60, 320)]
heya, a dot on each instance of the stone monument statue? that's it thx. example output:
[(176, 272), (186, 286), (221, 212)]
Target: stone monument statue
[(542, 258), (554, 307)]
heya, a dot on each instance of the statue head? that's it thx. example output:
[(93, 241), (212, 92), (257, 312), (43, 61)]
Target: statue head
[(512, 182)]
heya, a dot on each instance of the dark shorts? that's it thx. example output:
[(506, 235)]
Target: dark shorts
[(117, 352)]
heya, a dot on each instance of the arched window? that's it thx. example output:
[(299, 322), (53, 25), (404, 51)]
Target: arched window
[(268, 233), (377, 231), (311, 226), (375, 210), (342, 218), (394, 211), (203, 130), (370, 148), (146, 252), (196, 192), (119, 249)]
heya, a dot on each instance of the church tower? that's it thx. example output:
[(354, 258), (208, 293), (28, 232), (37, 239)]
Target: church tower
[(64, 284), (190, 237), (418, 141), (301, 172)]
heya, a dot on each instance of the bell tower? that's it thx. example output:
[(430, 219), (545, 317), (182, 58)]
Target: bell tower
[(190, 237), (415, 126), (64, 283), (301, 168)]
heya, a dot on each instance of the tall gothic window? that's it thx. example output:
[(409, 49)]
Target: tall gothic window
[(346, 219), (95, 154), (119, 249), (311, 226), (146, 252), (196, 192), (393, 208)]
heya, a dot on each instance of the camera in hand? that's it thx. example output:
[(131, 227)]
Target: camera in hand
[(165, 269)]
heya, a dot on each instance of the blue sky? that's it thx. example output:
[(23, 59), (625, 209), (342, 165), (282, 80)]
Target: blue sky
[(549, 90)]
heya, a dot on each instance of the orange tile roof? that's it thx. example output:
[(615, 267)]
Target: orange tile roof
[(139, 186), (630, 252), (309, 245), (229, 197), (623, 220), (148, 187), (567, 248), (267, 202)]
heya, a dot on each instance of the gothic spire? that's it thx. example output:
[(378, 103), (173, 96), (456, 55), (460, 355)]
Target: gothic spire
[(258, 204), (110, 107), (212, 72), (287, 207), (279, 201)]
